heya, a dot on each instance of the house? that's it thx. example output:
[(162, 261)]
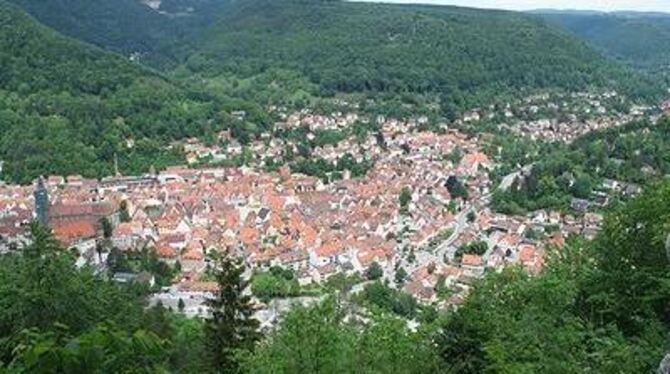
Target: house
[(72, 232), (530, 258), (123, 237), (327, 253), (365, 257), (580, 205), (143, 277), (472, 265)]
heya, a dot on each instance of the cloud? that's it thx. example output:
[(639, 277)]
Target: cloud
[(604, 5)]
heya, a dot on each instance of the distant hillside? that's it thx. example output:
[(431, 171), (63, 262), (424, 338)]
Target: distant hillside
[(67, 107), (639, 39), (464, 54), (126, 26)]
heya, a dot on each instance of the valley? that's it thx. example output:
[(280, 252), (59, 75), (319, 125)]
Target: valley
[(298, 186)]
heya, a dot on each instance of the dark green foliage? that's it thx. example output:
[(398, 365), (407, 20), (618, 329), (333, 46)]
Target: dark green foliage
[(342, 282), (638, 39), (124, 215), (107, 228), (462, 55), (405, 198), (231, 328), (42, 287), (139, 261), (128, 26), (387, 299), (633, 153), (331, 171), (599, 307), (472, 248), (105, 349), (400, 276), (69, 108), (374, 271), (456, 188)]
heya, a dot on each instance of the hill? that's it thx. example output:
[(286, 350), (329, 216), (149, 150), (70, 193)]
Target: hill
[(67, 107), (127, 26), (467, 55), (639, 39), (457, 56)]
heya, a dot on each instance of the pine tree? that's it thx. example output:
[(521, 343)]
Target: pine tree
[(231, 328)]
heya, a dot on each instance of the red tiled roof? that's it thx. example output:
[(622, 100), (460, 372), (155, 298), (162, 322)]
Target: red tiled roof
[(74, 230), (471, 260)]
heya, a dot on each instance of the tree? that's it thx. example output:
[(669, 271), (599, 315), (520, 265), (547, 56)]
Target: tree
[(318, 339), (124, 215), (41, 288), (400, 276), (473, 248), (231, 328), (374, 271), (582, 187), (591, 309), (107, 228), (456, 187), (405, 198), (104, 349), (455, 156)]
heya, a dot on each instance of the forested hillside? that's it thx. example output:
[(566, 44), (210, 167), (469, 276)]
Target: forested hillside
[(127, 26), (95, 104), (641, 40), (466, 55), (68, 108)]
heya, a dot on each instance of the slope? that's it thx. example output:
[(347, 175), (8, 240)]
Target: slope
[(67, 107), (127, 26), (639, 39), (465, 54)]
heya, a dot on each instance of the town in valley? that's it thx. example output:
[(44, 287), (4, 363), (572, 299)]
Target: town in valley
[(416, 213)]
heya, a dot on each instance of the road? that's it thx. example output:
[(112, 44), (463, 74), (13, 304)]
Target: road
[(443, 249)]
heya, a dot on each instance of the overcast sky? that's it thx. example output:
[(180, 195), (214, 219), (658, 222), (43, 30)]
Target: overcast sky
[(639, 5)]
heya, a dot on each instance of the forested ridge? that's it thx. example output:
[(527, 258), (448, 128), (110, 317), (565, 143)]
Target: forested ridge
[(129, 27), (639, 39), (463, 54), (69, 108)]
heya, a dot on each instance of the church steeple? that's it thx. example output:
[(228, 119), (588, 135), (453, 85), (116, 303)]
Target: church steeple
[(41, 202)]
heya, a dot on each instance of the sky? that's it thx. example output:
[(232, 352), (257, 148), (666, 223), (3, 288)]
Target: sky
[(603, 5)]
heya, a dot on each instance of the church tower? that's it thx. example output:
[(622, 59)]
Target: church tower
[(41, 202)]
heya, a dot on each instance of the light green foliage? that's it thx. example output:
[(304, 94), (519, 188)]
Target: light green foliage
[(276, 282), (632, 153), (599, 307), (318, 340)]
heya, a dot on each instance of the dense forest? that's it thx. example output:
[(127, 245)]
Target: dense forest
[(465, 55), (639, 39), (69, 108), (129, 27), (599, 307)]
